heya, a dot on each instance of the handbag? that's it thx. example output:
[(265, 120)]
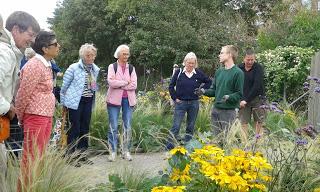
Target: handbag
[(4, 128)]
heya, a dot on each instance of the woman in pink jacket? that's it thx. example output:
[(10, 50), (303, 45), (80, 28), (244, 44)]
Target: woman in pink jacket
[(122, 80)]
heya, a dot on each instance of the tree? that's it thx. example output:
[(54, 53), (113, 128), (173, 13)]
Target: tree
[(159, 32), (87, 21), (166, 31)]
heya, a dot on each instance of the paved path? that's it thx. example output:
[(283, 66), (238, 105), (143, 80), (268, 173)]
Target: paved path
[(149, 163)]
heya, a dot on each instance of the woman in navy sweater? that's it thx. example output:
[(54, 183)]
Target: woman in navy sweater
[(181, 88)]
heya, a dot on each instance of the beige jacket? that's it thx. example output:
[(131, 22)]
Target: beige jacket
[(10, 57)]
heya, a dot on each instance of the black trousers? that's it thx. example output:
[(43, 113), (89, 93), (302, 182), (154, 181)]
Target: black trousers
[(79, 125)]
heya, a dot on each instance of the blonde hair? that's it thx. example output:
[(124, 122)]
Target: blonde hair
[(118, 50), (233, 50), (190, 55)]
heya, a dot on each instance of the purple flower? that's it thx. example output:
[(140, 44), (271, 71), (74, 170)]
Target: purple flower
[(310, 131), (273, 108), (264, 107), (301, 142), (298, 131), (278, 111), (317, 89), (274, 103), (306, 84), (258, 136), (315, 78)]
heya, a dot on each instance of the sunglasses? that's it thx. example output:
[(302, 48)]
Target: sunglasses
[(54, 44)]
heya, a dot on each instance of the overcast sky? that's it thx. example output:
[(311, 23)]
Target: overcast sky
[(40, 9)]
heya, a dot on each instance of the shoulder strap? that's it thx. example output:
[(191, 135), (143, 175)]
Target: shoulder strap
[(130, 69), (115, 67), (179, 73)]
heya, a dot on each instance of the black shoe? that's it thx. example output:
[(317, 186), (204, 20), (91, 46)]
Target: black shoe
[(88, 162), (83, 158)]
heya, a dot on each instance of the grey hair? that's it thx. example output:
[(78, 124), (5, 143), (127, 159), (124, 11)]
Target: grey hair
[(29, 53), (119, 48), (190, 55), (85, 47)]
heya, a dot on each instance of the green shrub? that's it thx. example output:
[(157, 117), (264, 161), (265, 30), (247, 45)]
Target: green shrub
[(286, 68)]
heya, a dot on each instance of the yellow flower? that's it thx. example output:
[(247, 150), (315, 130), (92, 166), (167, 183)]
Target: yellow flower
[(260, 187), (290, 113), (180, 149), (168, 189), (182, 176), (260, 163), (268, 178)]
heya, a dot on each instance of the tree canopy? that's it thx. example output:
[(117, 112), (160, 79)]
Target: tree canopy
[(159, 33)]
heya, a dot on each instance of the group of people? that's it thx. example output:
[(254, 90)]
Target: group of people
[(27, 92), (233, 86)]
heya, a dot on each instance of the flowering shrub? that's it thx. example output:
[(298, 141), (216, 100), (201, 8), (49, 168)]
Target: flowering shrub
[(210, 169), (286, 68)]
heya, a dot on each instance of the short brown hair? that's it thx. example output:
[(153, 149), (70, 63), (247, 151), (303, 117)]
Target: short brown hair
[(233, 50), (23, 20)]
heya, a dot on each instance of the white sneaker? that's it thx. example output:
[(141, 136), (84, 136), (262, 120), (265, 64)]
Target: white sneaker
[(112, 157), (127, 156), (167, 155)]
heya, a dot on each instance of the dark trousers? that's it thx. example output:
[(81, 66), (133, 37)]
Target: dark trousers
[(189, 107), (80, 122)]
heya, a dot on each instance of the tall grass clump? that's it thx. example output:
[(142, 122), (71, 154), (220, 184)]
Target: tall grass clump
[(99, 120), (150, 124), (50, 172)]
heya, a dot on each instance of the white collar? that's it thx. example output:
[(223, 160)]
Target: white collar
[(193, 71), (43, 60), (229, 66)]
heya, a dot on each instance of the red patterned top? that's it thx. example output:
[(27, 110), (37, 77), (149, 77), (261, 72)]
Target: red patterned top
[(35, 95)]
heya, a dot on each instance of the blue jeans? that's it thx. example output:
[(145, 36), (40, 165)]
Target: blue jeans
[(80, 123), (189, 107), (113, 112)]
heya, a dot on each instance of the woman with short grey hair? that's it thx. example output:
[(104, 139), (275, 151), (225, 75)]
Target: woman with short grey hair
[(77, 95)]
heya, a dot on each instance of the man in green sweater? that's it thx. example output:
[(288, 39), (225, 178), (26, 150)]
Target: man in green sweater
[(227, 88)]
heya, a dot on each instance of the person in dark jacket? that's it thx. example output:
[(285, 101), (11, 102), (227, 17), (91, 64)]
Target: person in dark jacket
[(181, 88), (253, 93)]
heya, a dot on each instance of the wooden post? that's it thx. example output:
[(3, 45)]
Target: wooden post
[(314, 98)]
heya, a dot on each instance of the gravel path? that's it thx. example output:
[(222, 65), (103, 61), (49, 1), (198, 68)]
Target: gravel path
[(149, 163)]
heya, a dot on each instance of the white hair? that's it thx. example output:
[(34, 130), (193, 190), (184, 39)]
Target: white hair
[(85, 47), (29, 53), (190, 55), (119, 49), (1, 23)]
